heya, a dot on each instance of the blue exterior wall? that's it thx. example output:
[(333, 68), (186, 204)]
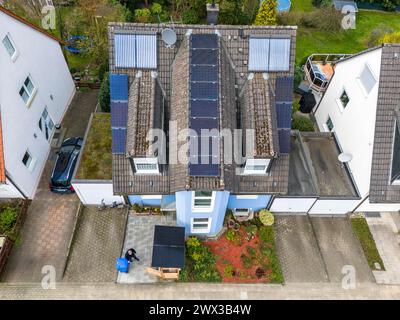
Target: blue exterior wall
[(184, 213), (144, 202), (256, 204)]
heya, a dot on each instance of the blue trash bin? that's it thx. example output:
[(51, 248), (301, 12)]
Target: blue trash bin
[(122, 265)]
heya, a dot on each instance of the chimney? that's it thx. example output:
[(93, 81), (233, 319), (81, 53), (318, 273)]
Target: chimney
[(212, 13)]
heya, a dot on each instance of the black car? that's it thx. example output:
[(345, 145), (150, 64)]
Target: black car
[(65, 164)]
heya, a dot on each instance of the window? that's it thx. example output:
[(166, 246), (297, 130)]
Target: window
[(46, 125), (201, 225), (203, 201), (146, 165), (329, 124), (395, 172), (242, 212), (247, 196), (28, 161), (344, 99), (27, 91), (256, 166), (10, 47), (367, 79)]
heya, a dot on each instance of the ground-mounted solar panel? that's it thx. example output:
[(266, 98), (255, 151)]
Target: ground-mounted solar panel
[(119, 114), (284, 89), (204, 108), (118, 140), (204, 90), (284, 140), (284, 115), (118, 87), (204, 73), (204, 41), (204, 57)]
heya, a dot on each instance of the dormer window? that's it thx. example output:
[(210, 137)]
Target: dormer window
[(146, 166), (395, 172), (256, 166), (10, 47)]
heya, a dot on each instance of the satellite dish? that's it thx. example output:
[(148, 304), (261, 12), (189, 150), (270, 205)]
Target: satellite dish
[(345, 157), (169, 37)]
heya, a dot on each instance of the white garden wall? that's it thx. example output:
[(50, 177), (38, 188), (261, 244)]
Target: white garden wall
[(92, 193)]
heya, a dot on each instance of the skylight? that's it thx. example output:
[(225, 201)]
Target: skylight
[(367, 79)]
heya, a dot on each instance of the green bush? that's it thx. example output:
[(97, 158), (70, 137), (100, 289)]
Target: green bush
[(302, 123), (190, 17), (266, 217), (246, 261), (267, 14), (8, 217), (142, 15), (103, 69), (228, 271), (267, 235), (230, 235), (201, 264), (104, 94), (252, 252)]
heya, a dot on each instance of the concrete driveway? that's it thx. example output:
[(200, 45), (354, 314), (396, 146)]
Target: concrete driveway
[(298, 250), (98, 240), (50, 220), (340, 247)]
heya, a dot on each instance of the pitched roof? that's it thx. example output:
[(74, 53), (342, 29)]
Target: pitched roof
[(381, 189), (29, 24), (172, 75), (2, 164)]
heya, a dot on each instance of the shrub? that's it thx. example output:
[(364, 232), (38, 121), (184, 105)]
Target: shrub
[(266, 217), (321, 3), (267, 235), (201, 266), (104, 94), (142, 15), (298, 76), (290, 18), (302, 123), (103, 69), (375, 36), (393, 37), (260, 272), (246, 261), (190, 17), (228, 271), (8, 217), (267, 14), (251, 229), (252, 252), (389, 5), (230, 235)]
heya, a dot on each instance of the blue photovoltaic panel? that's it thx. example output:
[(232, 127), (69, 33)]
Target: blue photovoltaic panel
[(118, 140), (204, 108), (204, 41), (204, 90), (203, 73), (284, 115), (204, 170), (119, 114), (118, 87), (284, 89), (204, 56), (284, 140)]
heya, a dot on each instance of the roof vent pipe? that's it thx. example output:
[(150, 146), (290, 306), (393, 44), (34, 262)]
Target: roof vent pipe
[(212, 13)]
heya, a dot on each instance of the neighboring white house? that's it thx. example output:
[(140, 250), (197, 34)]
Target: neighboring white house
[(36, 89), (360, 108)]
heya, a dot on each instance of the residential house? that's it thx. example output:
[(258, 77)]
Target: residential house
[(361, 106), (35, 91), (213, 78)]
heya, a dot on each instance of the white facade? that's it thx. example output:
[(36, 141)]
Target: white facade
[(354, 124), (93, 193), (40, 58)]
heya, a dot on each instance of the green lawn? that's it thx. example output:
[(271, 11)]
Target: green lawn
[(302, 6), (361, 229), (96, 163), (347, 41)]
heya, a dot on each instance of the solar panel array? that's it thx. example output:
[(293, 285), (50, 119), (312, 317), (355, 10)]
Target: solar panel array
[(269, 54), (283, 105), (135, 51), (119, 111), (204, 105)]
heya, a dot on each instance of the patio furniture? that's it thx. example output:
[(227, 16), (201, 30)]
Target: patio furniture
[(168, 252)]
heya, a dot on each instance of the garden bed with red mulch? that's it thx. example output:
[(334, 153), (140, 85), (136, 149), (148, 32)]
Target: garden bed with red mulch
[(243, 257)]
